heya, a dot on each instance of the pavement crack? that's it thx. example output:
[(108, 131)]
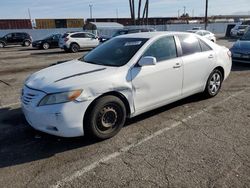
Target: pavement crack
[(6, 83)]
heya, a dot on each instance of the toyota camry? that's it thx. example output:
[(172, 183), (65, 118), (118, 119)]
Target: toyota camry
[(122, 78)]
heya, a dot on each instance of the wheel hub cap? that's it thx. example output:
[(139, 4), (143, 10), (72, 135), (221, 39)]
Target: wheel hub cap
[(109, 117), (215, 83)]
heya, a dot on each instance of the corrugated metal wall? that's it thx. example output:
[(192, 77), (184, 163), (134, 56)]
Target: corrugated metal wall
[(41, 23), (45, 23), (15, 24)]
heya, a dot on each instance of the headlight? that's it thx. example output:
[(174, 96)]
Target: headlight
[(57, 98)]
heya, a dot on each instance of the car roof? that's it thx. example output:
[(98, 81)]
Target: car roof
[(151, 34)]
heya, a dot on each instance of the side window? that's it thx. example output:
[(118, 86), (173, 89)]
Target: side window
[(163, 49), (78, 35), (204, 46), (189, 44)]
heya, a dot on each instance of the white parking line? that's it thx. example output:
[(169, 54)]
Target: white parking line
[(116, 154), (10, 105)]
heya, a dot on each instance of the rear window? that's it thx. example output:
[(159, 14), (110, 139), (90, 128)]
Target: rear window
[(189, 44)]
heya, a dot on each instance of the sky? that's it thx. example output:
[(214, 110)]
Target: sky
[(13, 9)]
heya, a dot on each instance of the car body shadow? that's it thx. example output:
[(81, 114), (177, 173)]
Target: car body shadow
[(19, 143), (240, 66)]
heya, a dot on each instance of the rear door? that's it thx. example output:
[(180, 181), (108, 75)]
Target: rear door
[(198, 59), (156, 85), (92, 41)]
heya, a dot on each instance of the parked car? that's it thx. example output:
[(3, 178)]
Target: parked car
[(204, 33), (23, 39), (48, 42), (122, 78), (125, 32), (196, 28), (238, 30), (241, 49), (75, 41)]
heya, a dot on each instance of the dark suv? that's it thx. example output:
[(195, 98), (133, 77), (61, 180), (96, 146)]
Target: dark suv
[(23, 39)]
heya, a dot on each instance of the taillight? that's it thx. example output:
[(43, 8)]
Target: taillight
[(229, 53), (66, 39)]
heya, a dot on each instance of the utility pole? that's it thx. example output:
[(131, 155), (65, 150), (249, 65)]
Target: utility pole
[(184, 10), (117, 14), (206, 11), (179, 13), (90, 11), (29, 14)]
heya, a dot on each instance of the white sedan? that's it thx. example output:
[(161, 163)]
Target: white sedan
[(204, 33), (122, 78)]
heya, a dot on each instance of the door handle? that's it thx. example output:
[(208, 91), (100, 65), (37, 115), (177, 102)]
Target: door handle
[(210, 56), (177, 65)]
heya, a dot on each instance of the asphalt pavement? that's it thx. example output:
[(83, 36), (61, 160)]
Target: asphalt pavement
[(194, 142)]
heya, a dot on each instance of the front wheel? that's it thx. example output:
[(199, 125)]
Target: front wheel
[(214, 83), (106, 118), (1, 44), (26, 43)]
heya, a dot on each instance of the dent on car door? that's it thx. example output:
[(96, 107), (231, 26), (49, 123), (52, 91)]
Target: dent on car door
[(155, 85), (198, 60)]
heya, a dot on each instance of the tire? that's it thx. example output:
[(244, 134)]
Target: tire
[(26, 43), (106, 118), (214, 83), (1, 45), (74, 48), (46, 46)]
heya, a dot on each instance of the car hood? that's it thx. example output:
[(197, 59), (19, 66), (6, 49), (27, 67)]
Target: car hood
[(242, 45), (69, 75)]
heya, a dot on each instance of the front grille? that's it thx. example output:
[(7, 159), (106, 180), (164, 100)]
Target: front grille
[(31, 97)]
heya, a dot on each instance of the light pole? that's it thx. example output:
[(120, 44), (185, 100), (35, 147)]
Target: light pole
[(206, 20), (90, 11)]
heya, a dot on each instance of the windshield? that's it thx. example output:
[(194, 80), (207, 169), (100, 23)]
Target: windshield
[(246, 36), (121, 32), (116, 52)]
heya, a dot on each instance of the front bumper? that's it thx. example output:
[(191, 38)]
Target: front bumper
[(65, 120)]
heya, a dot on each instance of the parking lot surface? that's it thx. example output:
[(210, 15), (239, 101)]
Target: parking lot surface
[(190, 143)]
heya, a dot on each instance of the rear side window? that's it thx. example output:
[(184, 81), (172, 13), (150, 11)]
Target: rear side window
[(204, 46), (163, 49), (189, 44)]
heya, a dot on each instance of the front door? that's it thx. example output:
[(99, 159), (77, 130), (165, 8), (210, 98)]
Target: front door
[(156, 85)]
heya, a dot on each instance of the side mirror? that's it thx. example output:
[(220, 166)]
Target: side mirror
[(147, 61)]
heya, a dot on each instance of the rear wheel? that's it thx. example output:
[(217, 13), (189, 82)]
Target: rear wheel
[(74, 48), (214, 83), (26, 43), (46, 46), (106, 118)]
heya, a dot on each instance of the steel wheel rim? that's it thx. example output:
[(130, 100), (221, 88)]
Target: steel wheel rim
[(108, 119), (215, 83), (1, 45)]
